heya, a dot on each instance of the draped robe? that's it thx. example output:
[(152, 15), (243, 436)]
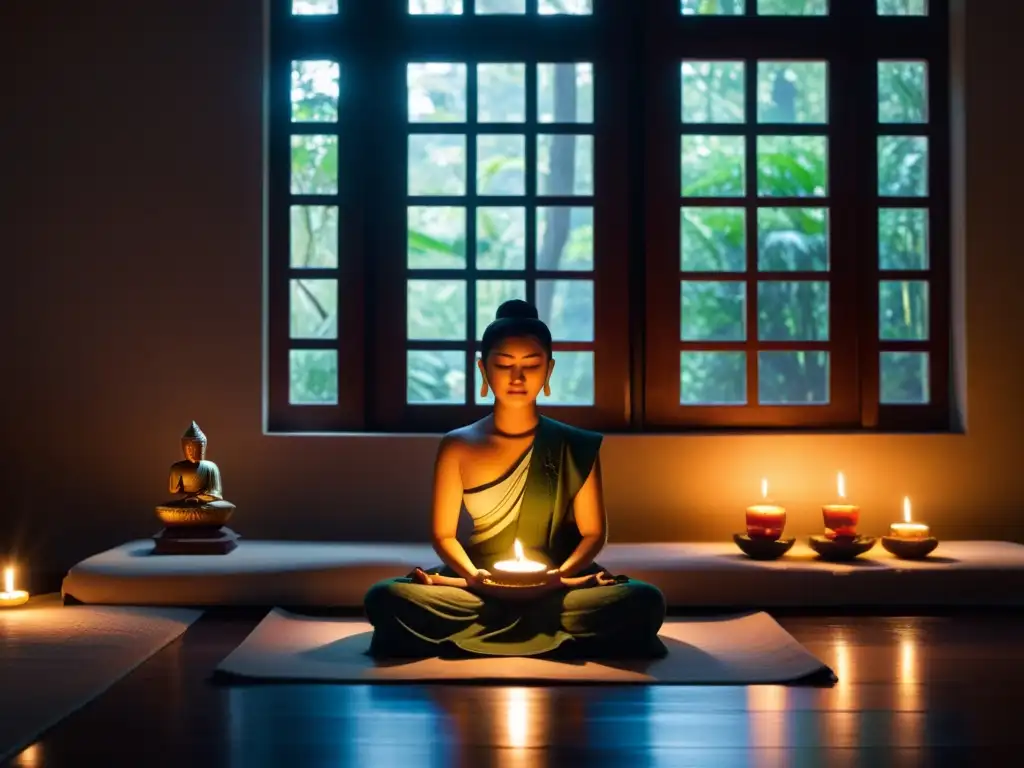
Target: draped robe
[(531, 501)]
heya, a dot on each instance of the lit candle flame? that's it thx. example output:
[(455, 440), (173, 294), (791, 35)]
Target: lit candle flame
[(764, 487), (519, 551), (906, 509), (841, 483), (8, 579)]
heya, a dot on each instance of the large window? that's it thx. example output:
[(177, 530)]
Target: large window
[(731, 213)]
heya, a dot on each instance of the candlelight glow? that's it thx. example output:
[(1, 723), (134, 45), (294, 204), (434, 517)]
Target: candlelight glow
[(517, 721), (519, 550), (8, 579), (841, 484), (764, 487), (906, 509)]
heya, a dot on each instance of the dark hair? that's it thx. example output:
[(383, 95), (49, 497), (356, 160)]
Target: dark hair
[(515, 318)]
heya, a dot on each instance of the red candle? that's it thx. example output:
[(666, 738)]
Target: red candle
[(765, 520), (841, 519)]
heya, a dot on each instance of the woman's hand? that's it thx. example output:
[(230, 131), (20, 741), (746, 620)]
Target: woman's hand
[(600, 579)]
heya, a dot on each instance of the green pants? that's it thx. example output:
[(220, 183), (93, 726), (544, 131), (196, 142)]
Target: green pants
[(419, 620)]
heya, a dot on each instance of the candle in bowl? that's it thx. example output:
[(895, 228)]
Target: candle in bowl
[(11, 597), (521, 572), (841, 519), (765, 520), (907, 529)]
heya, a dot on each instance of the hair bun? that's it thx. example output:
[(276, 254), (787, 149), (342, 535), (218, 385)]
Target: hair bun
[(518, 309)]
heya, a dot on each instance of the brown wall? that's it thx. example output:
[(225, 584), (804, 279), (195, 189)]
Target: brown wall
[(132, 304)]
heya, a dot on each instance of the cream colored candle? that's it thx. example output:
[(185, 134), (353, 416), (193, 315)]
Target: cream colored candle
[(521, 572), (908, 529), (11, 597)]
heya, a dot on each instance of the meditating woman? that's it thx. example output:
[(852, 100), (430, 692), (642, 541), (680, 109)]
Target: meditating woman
[(523, 478)]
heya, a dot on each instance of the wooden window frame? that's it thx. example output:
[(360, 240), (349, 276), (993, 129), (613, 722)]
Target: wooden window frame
[(635, 49)]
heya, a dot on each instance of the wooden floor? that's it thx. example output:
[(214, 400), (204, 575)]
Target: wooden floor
[(935, 691)]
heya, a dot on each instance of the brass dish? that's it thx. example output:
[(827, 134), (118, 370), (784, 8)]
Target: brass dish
[(198, 515)]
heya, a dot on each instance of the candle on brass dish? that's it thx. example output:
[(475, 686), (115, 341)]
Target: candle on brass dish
[(765, 520), (521, 572), (841, 519), (907, 529), (11, 597)]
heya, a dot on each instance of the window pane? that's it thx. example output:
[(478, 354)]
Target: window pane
[(792, 7), (436, 310), (314, 7), (903, 238), (713, 378), (501, 92), (565, 93), (435, 7), (489, 296), (435, 377), (713, 92), (314, 309), (314, 165), (903, 310), (572, 382), (792, 92), (902, 7), (313, 377), (794, 310), (713, 166), (792, 166), (902, 92), (437, 92), (500, 6), (437, 164), (500, 238), (792, 378), (902, 166), (314, 236), (565, 238), (792, 239), (713, 239), (567, 306), (904, 378), (558, 7), (712, 7), (437, 237), (501, 165), (565, 164), (712, 311), (315, 91)]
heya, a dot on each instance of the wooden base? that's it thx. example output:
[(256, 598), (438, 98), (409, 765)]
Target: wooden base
[(195, 540), (762, 549), (910, 549), (842, 548)]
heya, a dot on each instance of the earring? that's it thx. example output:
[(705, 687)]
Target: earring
[(483, 388), (547, 389)]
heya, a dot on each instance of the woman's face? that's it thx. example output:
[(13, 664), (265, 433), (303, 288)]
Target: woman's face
[(516, 370)]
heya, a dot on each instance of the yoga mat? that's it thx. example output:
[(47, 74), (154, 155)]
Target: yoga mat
[(736, 650), (55, 659)]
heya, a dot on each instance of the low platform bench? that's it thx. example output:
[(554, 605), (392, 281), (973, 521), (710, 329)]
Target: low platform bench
[(981, 574)]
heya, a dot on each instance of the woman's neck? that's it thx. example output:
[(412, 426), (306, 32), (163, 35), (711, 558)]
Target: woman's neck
[(515, 421)]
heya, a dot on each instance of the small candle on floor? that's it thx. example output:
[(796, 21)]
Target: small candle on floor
[(908, 529), (11, 597), (766, 520), (841, 519)]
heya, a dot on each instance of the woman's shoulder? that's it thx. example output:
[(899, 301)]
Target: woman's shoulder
[(573, 435)]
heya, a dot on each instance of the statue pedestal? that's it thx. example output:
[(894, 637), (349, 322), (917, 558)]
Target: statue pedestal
[(195, 540)]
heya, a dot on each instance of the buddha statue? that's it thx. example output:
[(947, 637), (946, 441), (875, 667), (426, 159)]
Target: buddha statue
[(194, 520)]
